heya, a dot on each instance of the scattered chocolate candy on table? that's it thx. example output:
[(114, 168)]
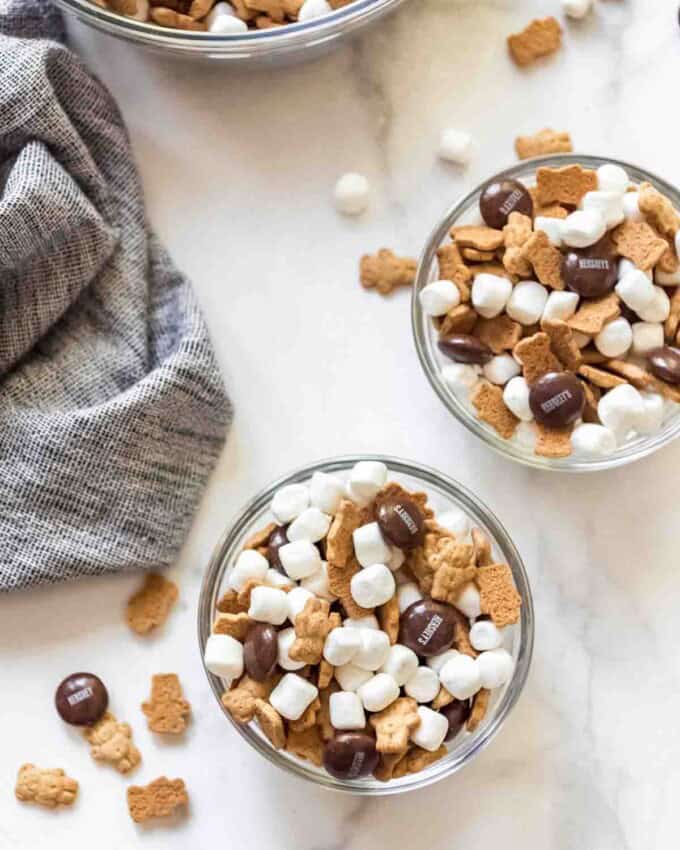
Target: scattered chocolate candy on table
[(361, 631), (81, 699)]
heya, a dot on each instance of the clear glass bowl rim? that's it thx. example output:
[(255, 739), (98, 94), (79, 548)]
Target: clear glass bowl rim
[(424, 344), (458, 494)]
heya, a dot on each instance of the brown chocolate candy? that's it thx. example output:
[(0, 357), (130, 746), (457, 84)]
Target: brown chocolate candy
[(465, 348), (593, 271), (557, 399), (457, 713), (665, 363), (501, 198), (350, 755), (402, 522), (276, 541), (260, 651), (427, 627), (81, 699)]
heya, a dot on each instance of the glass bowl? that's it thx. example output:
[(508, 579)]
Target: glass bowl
[(278, 46), (443, 493), (466, 211)]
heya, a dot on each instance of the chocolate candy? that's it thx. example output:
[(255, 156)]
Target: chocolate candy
[(402, 522), (464, 348), (665, 363), (457, 713), (593, 271), (350, 755), (500, 199), (260, 651), (427, 627), (276, 541), (81, 699), (557, 399)]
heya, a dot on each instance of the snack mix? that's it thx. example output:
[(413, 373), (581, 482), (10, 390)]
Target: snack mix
[(360, 631), (559, 309)]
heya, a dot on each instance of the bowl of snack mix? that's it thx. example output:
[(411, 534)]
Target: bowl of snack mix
[(366, 623), (266, 32), (546, 312)]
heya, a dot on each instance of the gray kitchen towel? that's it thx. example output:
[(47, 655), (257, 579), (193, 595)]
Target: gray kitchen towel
[(112, 409)]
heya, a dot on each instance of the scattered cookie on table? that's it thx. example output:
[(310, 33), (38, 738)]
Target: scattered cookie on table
[(167, 711), (540, 38), (542, 143), (385, 271), (159, 799), (48, 787), (150, 606), (111, 742)]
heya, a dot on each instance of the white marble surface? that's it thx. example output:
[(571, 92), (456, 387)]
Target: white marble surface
[(238, 169)]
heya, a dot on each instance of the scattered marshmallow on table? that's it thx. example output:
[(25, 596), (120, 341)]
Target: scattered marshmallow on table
[(370, 547), (372, 586), (612, 178), (658, 309), (619, 409), (290, 501), (311, 9), (490, 294), (350, 677), (560, 305), (341, 646), (373, 649), (292, 696), (576, 8), (495, 668), (647, 336), (615, 338), (423, 686), (401, 663), (346, 711), (438, 297), (583, 228), (501, 368), (634, 288), (484, 635), (378, 692), (224, 656), (318, 584), (455, 146), (286, 638), (436, 662), (552, 227), (516, 398), (312, 524), (407, 594), (351, 194), (297, 598), (268, 605), (460, 676), (431, 731), (249, 565), (591, 440), (366, 479), (300, 559), (326, 492), (468, 601)]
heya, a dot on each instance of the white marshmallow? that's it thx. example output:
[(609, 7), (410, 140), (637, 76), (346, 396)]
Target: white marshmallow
[(658, 309), (612, 178), (318, 584), (460, 377), (351, 678), (370, 621), (311, 9), (378, 692), (560, 305), (366, 478), (290, 501), (370, 547), (218, 9), (396, 560), (438, 297), (407, 594), (249, 565), (373, 649), (495, 668), (227, 25), (576, 8), (423, 685), (341, 646), (631, 208), (590, 440), (401, 663), (608, 204), (490, 294), (468, 601), (276, 579), (484, 635), (525, 435), (292, 696), (615, 338), (346, 711), (455, 146), (552, 227), (300, 559), (647, 336), (268, 605), (297, 599), (527, 302), (224, 657), (436, 662), (652, 416), (351, 194), (460, 676), (500, 369), (635, 289), (312, 524), (285, 639), (626, 265), (326, 492), (620, 409), (373, 586), (583, 228), (431, 731), (454, 520), (667, 278), (516, 398)]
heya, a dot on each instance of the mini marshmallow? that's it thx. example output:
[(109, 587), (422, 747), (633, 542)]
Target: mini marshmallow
[(351, 678), (423, 686), (220, 8), (620, 409), (652, 414), (576, 8), (341, 646), (286, 638), (249, 565), (501, 368), (468, 601), (431, 731), (346, 711), (292, 696), (635, 289), (226, 25), (268, 605), (311, 9), (516, 398), (407, 594), (525, 435), (396, 560), (495, 668), (370, 546), (490, 294), (460, 377), (590, 440), (460, 676), (455, 146), (667, 278), (484, 635), (401, 663), (438, 297), (436, 662), (626, 265), (658, 309), (312, 524), (351, 194), (317, 583), (631, 208), (373, 649), (370, 621), (454, 520), (297, 599), (608, 204), (560, 305), (612, 178), (300, 559), (583, 228), (224, 657), (552, 227), (615, 338), (527, 302), (647, 336), (290, 501), (378, 692), (366, 478), (276, 579), (326, 492)]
